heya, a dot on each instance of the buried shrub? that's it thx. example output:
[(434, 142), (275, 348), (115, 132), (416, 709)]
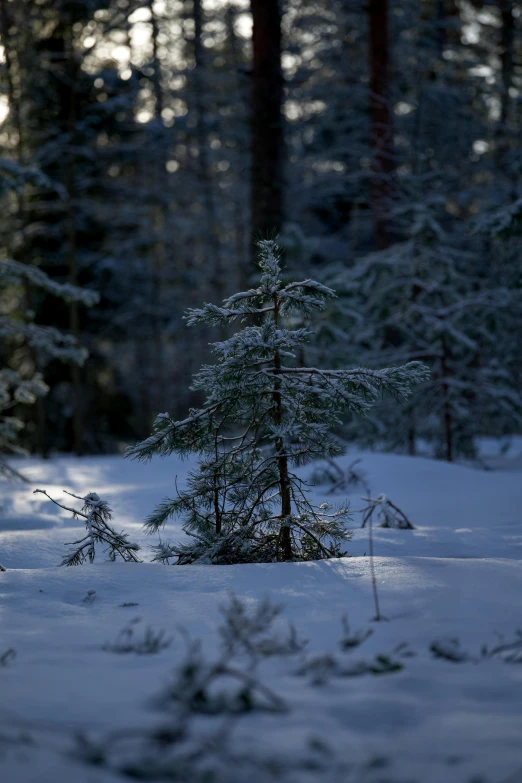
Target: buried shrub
[(206, 698), (387, 513), (339, 479), (127, 641)]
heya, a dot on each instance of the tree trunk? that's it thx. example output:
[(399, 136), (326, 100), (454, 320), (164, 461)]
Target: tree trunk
[(440, 27), (412, 438), (506, 55), (211, 239), (380, 121), (155, 65), (69, 109), (267, 121), (241, 209), (159, 206), (282, 459), (448, 431), (12, 54), (447, 417)]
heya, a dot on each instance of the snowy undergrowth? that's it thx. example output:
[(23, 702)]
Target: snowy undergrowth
[(447, 588)]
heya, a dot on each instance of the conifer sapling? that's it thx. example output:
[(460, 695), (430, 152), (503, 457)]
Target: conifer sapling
[(263, 417)]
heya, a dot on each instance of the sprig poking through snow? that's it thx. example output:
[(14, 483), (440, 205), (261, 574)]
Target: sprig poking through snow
[(387, 512), (97, 514)]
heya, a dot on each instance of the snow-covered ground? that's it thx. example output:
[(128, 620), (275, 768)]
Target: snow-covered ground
[(456, 576)]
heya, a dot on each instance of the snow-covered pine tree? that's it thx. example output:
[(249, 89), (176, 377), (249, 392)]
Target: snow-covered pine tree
[(263, 417), (428, 298)]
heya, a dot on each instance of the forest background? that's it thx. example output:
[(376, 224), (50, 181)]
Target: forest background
[(145, 145)]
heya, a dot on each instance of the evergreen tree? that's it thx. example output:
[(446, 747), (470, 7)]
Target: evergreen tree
[(26, 344), (71, 117), (263, 417), (429, 299)]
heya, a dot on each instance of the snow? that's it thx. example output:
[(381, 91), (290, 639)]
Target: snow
[(457, 576)]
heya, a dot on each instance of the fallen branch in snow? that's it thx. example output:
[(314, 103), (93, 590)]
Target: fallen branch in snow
[(8, 656), (449, 650), (340, 480), (208, 696), (127, 642), (509, 652), (11, 474), (194, 689), (351, 640), (321, 667), (250, 630), (389, 514), (226, 688), (97, 514)]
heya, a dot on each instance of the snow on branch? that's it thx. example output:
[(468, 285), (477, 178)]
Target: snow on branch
[(97, 514), (169, 435), (51, 341), (213, 315), (397, 381), (13, 177), (14, 271)]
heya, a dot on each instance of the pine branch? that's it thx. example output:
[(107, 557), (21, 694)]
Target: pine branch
[(97, 515)]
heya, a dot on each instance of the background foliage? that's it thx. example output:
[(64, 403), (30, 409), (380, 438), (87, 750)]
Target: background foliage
[(380, 139)]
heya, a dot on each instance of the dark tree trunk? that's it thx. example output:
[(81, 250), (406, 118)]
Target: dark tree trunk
[(440, 27), (69, 112), (267, 120), (380, 120), (447, 417), (285, 541), (212, 248), (159, 220), (506, 55), (155, 65), (241, 209), (412, 438)]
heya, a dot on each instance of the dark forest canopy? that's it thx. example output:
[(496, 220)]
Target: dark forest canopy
[(146, 144)]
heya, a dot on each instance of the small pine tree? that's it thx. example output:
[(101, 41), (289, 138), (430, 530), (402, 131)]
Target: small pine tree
[(263, 417)]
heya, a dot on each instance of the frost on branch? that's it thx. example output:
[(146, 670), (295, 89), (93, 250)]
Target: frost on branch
[(97, 515), (263, 417)]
